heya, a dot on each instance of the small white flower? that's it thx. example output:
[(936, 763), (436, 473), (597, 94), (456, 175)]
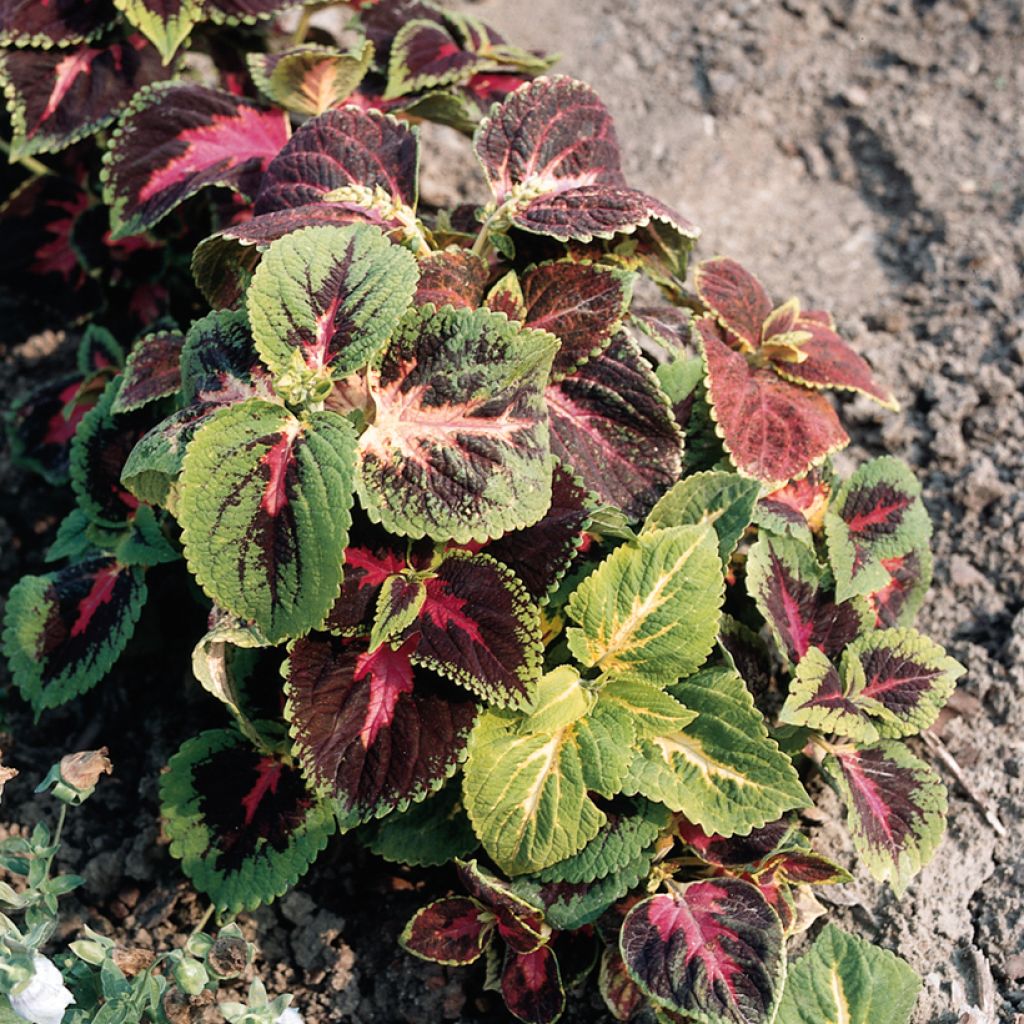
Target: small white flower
[(44, 999), (290, 1016)]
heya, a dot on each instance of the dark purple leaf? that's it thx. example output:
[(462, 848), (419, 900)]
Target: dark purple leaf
[(531, 986), (153, 371), (46, 23), (520, 924), (453, 931)]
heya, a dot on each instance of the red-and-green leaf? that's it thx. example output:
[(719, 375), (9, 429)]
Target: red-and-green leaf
[(876, 516), (738, 850), (63, 631), (897, 602), (264, 508), (540, 555), (820, 699), (99, 450), (425, 54), (177, 138), (309, 79), (166, 23), (611, 423), (902, 678), (458, 448), (153, 371), (241, 821), (371, 731), (453, 931), (327, 298), (57, 97), (620, 992), (41, 424), (793, 592), (452, 277), (245, 12), (829, 362), (531, 986), (581, 304), (478, 627), (798, 509), (399, 603), (896, 808), (520, 922), (54, 23), (773, 430), (713, 950), (735, 297)]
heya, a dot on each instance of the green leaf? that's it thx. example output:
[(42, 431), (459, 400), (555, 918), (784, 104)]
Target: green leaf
[(399, 603), (427, 834), (876, 516), (819, 700), (264, 508), (651, 609), (527, 792), (309, 79), (458, 448), (166, 31), (725, 500), (896, 807), (325, 299), (652, 711), (844, 980), (144, 542), (721, 770)]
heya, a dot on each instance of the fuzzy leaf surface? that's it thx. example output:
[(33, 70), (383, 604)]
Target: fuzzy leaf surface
[(896, 807), (331, 296), (177, 138), (651, 609), (611, 423), (844, 980), (711, 950), (264, 507), (64, 630), (458, 449)]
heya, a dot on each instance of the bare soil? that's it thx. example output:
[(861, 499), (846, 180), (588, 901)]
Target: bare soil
[(865, 155)]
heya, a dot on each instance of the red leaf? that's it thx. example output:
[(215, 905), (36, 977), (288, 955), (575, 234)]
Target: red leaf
[(712, 949), (897, 602), (735, 297), (453, 277), (774, 430), (531, 986), (452, 931), (520, 924)]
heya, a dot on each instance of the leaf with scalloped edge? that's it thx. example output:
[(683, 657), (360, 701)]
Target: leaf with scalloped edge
[(773, 430), (61, 23), (452, 277), (793, 592), (370, 731), (64, 630), (819, 699), (246, 12), (842, 979), (425, 54), (478, 627), (99, 449), (540, 555), (399, 604), (427, 834), (896, 809), (309, 79), (611, 423), (725, 500), (620, 993), (876, 515), (651, 609), (176, 138), (520, 918), (736, 298), (581, 304), (526, 790), (219, 367), (57, 97), (454, 931), (713, 950), (683, 382), (798, 509), (897, 602), (264, 508), (721, 770), (166, 23), (458, 449), (531, 986), (153, 371), (325, 299), (901, 678), (41, 424), (240, 820)]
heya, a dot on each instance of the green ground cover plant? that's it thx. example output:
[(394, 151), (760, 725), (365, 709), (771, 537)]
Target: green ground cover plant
[(507, 565)]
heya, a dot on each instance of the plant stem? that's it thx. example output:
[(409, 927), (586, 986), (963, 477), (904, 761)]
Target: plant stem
[(202, 921), (55, 843), (299, 35), (30, 163)]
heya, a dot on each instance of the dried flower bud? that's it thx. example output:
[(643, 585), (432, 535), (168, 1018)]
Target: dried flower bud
[(6, 774), (83, 770), (44, 999), (229, 956)]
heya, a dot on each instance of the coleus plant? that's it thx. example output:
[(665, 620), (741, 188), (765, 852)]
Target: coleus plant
[(548, 583)]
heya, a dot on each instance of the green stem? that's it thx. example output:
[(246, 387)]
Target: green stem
[(202, 921), (299, 35), (55, 844), (30, 163), (482, 246)]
